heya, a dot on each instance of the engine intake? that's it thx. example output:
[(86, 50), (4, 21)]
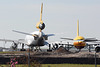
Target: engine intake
[(97, 49)]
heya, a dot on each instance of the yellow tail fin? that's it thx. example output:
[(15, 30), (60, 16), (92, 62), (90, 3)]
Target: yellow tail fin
[(40, 25), (77, 27), (41, 14)]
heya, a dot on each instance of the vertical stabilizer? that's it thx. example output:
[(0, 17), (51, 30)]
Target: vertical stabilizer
[(77, 27), (40, 25), (41, 14)]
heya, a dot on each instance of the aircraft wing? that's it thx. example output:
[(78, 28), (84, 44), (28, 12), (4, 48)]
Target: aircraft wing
[(91, 40), (24, 33), (93, 44), (7, 40), (15, 41), (86, 40), (67, 38)]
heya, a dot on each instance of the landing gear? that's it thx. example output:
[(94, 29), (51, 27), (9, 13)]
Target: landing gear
[(49, 50), (78, 50), (37, 48), (14, 46), (22, 47), (55, 46), (89, 48), (68, 46)]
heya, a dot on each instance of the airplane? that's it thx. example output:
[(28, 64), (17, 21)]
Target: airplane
[(79, 41), (34, 39)]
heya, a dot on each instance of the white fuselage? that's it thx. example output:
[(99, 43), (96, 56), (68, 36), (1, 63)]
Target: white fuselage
[(35, 41)]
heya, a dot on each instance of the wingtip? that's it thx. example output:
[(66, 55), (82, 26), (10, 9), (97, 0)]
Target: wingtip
[(42, 3), (13, 30)]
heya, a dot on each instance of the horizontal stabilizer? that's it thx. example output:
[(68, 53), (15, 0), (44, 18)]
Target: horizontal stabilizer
[(67, 38), (50, 35)]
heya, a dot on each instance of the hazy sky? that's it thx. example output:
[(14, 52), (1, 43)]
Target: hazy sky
[(60, 17)]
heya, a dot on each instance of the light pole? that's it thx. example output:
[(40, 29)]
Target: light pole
[(29, 57), (95, 60)]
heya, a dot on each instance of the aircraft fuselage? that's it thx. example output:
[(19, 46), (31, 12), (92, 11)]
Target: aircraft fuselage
[(79, 42), (35, 41)]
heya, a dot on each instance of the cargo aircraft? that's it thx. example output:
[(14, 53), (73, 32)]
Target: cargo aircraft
[(34, 39), (79, 41)]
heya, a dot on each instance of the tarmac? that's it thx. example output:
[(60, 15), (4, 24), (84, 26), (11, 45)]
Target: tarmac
[(59, 56)]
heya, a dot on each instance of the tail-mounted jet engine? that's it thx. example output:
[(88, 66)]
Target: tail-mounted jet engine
[(40, 25)]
